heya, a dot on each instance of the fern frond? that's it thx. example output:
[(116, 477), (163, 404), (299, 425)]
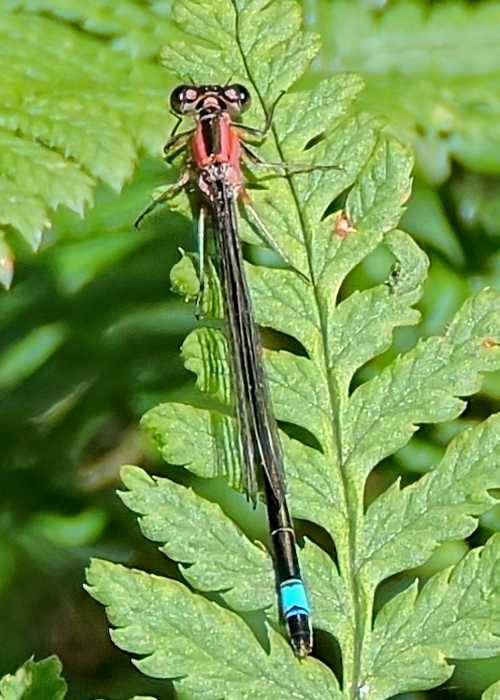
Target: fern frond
[(136, 29), (72, 113), (215, 640), (353, 427), (39, 680), (493, 692), (35, 679)]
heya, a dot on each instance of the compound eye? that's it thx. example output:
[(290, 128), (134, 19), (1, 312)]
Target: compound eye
[(183, 98), (239, 95)]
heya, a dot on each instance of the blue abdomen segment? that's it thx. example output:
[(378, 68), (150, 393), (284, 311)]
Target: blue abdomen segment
[(293, 598)]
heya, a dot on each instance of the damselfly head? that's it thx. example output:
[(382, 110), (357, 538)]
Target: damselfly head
[(189, 99)]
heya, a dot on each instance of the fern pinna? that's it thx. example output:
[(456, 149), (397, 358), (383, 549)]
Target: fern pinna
[(204, 644)]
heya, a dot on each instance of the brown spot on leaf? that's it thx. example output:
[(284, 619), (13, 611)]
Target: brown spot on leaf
[(489, 343), (343, 225)]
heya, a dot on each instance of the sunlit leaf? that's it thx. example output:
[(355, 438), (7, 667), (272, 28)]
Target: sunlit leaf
[(339, 428), (35, 680)]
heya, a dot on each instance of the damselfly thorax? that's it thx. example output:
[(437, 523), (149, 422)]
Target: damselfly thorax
[(216, 142)]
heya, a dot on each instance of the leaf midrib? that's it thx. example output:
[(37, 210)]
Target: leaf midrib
[(359, 621)]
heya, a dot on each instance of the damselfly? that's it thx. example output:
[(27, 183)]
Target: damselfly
[(215, 149)]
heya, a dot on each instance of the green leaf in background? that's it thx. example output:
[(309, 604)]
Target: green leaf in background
[(69, 531), (69, 413), (425, 219), (477, 202), (133, 28), (434, 70), (40, 680), (25, 356), (67, 124), (350, 426), (35, 680), (6, 263), (493, 692)]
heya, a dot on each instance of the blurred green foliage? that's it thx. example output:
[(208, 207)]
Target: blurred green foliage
[(90, 332)]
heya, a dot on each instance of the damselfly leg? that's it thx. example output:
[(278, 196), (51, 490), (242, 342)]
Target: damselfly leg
[(288, 168), (201, 262), (256, 131), (176, 144), (168, 193)]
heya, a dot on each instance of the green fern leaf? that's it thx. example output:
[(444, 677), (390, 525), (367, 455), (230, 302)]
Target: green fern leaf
[(134, 29), (72, 113), (215, 643), (454, 492), (23, 211), (274, 62), (493, 692), (161, 504), (35, 680), (44, 173), (6, 262), (26, 355), (181, 634), (419, 629), (433, 70)]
